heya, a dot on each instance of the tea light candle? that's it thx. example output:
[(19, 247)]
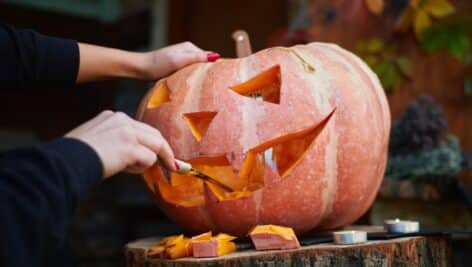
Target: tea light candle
[(349, 237), (399, 226)]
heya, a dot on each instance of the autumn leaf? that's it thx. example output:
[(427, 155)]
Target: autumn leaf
[(389, 67), (419, 14), (422, 22), (375, 6), (405, 20), (404, 65), (439, 8)]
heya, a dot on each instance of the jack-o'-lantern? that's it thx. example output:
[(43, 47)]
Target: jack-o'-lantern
[(300, 133)]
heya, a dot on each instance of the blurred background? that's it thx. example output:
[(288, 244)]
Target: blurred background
[(420, 49)]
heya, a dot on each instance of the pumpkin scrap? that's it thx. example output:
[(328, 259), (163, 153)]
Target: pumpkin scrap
[(270, 236), (172, 247), (206, 245)]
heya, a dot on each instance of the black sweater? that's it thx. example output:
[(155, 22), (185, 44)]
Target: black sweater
[(40, 186)]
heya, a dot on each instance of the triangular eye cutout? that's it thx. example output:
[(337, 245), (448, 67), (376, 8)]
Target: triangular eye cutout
[(265, 85), (159, 96), (199, 122)]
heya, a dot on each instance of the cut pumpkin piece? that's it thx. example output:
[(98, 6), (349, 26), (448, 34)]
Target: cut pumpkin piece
[(265, 237), (206, 245), (157, 252), (199, 122), (265, 85), (172, 247), (159, 96)]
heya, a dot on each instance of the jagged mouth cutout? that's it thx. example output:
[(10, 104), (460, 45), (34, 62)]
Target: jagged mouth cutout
[(277, 156)]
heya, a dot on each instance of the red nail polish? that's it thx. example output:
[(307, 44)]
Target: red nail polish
[(212, 56), (176, 165)]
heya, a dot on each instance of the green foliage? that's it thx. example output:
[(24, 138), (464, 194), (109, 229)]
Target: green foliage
[(390, 68), (442, 160), (468, 85), (452, 37)]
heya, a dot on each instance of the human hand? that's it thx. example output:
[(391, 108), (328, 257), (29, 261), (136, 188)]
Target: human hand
[(162, 62), (102, 63), (123, 143)]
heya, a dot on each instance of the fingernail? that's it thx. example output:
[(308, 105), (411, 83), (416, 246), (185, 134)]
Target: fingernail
[(176, 165), (212, 56)]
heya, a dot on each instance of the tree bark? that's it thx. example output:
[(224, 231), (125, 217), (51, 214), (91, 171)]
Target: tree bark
[(408, 251)]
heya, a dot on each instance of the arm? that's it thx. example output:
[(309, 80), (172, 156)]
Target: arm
[(30, 59), (40, 187), (100, 63)]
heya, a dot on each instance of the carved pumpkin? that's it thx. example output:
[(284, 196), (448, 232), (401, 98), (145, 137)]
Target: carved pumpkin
[(300, 132)]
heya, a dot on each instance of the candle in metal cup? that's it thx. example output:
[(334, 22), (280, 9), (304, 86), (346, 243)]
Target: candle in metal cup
[(349, 237), (400, 226)]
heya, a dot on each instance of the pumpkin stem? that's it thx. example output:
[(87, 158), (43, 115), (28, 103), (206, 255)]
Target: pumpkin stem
[(243, 44)]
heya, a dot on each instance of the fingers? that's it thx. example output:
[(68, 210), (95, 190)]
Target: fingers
[(104, 115), (145, 135), (194, 54), (212, 56), (152, 138), (143, 158), (91, 123)]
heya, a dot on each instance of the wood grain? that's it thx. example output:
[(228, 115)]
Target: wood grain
[(409, 251)]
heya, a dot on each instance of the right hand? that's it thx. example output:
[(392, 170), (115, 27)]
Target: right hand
[(123, 143)]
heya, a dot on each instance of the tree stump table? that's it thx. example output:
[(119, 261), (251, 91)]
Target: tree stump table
[(405, 251)]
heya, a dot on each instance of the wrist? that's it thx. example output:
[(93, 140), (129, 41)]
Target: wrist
[(134, 65)]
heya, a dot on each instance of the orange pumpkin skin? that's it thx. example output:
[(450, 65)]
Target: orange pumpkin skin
[(323, 88)]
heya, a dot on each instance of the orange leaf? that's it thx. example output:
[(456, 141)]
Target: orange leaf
[(438, 8), (405, 20), (375, 6), (422, 22)]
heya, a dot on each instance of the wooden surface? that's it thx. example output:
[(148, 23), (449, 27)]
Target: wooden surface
[(408, 251)]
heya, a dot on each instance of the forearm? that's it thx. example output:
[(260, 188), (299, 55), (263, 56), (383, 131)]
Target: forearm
[(39, 190), (102, 63), (31, 60)]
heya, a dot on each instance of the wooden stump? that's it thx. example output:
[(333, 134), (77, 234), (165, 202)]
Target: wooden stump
[(407, 251)]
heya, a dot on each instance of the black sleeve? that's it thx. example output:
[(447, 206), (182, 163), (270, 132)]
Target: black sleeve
[(29, 59), (39, 190)]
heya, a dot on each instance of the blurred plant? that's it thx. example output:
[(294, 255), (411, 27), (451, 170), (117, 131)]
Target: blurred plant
[(417, 148), (389, 67), (468, 85), (421, 127), (452, 37), (468, 78), (419, 12), (375, 6), (444, 160)]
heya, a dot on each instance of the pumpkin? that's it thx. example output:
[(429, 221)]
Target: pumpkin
[(301, 133)]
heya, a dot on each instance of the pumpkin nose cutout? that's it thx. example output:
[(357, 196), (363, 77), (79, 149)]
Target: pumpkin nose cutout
[(265, 86), (199, 122)]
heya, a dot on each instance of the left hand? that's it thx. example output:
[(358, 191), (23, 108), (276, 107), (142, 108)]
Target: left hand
[(164, 61), (102, 63)]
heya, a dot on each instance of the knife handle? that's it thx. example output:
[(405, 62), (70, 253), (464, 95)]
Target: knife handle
[(182, 166)]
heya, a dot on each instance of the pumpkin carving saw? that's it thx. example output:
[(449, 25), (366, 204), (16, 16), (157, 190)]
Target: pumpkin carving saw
[(301, 133)]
